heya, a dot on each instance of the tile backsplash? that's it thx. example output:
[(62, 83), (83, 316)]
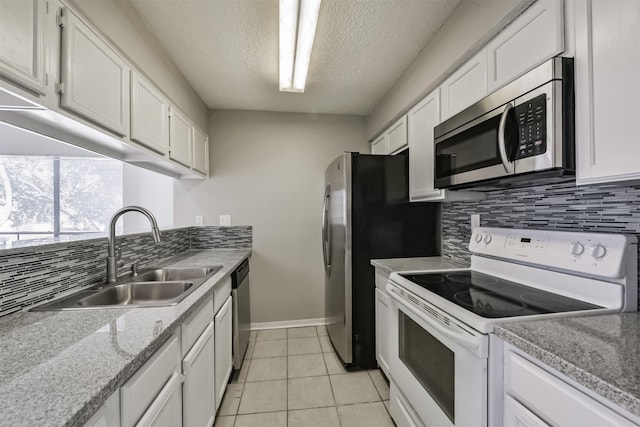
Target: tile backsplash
[(33, 274), (611, 208)]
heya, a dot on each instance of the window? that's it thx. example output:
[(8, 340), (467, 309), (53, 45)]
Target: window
[(55, 196)]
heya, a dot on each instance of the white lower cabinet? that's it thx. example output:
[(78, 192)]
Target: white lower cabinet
[(108, 415), (198, 388), (382, 333), (166, 409), (142, 391), (223, 361), (536, 395)]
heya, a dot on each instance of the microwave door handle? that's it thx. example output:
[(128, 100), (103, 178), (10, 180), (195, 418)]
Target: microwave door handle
[(508, 165)]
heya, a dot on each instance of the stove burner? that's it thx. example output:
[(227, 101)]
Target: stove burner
[(430, 279), (471, 279), (487, 302)]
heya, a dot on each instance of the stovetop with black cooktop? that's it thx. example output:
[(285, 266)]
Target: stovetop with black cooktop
[(493, 297)]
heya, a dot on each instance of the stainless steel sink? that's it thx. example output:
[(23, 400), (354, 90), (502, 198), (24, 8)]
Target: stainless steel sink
[(169, 274), (153, 287), (140, 293)]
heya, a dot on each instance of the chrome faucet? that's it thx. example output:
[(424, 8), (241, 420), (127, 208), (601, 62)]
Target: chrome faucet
[(112, 259)]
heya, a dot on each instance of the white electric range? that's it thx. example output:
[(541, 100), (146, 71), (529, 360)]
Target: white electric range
[(441, 321)]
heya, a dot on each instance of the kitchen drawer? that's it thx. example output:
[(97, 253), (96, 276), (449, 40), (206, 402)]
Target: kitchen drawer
[(195, 324), (140, 391), (401, 411), (552, 399), (220, 294)]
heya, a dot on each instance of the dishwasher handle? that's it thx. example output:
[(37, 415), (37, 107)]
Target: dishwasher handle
[(239, 274)]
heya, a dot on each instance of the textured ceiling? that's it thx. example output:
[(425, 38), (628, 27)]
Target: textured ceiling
[(228, 50)]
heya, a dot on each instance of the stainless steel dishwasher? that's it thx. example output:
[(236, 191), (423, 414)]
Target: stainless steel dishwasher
[(241, 312)]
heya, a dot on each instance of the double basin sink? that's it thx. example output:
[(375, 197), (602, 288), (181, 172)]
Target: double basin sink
[(152, 287)]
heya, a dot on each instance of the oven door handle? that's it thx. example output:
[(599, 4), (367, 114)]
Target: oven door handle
[(508, 165), (460, 336)]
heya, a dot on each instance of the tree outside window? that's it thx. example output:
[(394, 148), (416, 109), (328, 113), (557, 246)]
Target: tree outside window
[(54, 196)]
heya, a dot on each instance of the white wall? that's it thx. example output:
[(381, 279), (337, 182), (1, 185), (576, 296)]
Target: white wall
[(119, 22), (468, 28), (268, 172), (150, 190)]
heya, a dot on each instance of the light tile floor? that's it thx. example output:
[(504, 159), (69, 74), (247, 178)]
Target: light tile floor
[(293, 378)]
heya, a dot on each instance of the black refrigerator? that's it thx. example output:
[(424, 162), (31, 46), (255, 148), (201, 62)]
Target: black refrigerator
[(367, 215)]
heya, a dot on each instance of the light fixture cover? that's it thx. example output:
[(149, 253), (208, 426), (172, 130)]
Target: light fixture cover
[(298, 22)]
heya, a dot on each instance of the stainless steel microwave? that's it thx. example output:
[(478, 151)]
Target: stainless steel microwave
[(520, 133)]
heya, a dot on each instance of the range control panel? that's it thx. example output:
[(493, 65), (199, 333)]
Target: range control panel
[(597, 254)]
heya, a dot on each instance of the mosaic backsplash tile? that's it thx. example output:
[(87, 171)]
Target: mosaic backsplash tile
[(611, 208), (34, 274), (221, 237)]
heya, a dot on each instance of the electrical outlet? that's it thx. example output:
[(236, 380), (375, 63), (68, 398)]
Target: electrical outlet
[(475, 221), (199, 220), (225, 220)]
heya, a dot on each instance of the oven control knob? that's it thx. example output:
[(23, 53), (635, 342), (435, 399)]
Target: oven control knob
[(487, 238), (598, 251), (577, 248), (478, 237)]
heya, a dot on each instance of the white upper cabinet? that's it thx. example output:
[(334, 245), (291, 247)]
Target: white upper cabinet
[(397, 135), (420, 123), (22, 43), (94, 78), (535, 36), (149, 115), (393, 139), (180, 137), (379, 145), (467, 85), (607, 69), (200, 151)]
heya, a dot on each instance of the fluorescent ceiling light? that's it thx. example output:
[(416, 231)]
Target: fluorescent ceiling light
[(298, 22)]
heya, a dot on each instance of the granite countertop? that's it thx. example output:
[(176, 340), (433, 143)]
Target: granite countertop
[(598, 352), (58, 368), (421, 263)]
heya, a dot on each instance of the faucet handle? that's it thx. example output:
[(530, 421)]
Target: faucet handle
[(134, 269)]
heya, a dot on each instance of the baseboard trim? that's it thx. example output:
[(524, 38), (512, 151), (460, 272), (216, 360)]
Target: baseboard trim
[(288, 324)]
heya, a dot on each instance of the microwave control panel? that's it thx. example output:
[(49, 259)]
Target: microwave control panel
[(532, 131)]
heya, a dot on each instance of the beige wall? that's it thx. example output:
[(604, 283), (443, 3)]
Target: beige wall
[(119, 22), (468, 28), (268, 172)]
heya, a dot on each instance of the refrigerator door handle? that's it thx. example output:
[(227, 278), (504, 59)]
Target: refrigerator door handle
[(326, 233)]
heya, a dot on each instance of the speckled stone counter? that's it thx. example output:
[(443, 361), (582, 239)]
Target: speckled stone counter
[(599, 352), (58, 368), (422, 263)]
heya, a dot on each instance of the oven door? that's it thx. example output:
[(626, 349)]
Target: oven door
[(439, 365)]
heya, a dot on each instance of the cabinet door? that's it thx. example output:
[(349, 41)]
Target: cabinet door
[(421, 120), (467, 85), (534, 37), (223, 344), (95, 78), (382, 330), (397, 135), (198, 388), (516, 415), (200, 151), (166, 409), (180, 137), (149, 115), (108, 415), (607, 91), (22, 42), (379, 145)]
